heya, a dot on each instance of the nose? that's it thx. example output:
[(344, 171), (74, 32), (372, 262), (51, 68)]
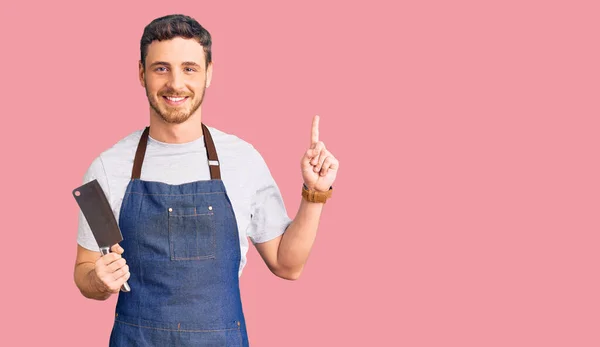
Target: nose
[(176, 80)]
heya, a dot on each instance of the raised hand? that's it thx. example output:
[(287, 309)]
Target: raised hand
[(319, 166)]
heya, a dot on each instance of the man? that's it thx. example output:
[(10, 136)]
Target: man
[(187, 197)]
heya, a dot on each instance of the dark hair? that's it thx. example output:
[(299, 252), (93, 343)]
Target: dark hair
[(172, 26)]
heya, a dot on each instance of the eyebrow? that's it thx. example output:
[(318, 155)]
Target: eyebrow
[(185, 63), (189, 63)]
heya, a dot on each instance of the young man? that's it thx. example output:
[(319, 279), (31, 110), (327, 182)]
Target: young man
[(187, 197)]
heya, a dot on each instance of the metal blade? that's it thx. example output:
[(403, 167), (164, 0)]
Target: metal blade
[(97, 212)]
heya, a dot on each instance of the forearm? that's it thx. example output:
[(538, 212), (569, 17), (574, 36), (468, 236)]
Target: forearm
[(88, 282), (298, 239)]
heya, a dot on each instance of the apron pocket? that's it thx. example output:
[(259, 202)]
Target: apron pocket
[(191, 234)]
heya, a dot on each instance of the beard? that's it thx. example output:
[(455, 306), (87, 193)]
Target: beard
[(175, 114)]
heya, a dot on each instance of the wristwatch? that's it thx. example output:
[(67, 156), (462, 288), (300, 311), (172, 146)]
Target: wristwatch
[(315, 196)]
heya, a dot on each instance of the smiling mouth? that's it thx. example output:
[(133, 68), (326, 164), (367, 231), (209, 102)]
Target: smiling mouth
[(175, 100)]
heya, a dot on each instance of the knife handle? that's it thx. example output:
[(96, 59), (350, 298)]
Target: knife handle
[(125, 287)]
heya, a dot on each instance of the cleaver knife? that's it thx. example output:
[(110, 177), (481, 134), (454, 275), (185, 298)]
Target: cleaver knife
[(97, 212)]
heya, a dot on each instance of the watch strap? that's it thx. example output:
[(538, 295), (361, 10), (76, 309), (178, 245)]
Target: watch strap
[(316, 196)]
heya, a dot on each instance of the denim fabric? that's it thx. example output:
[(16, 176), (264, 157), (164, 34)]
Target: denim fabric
[(181, 243)]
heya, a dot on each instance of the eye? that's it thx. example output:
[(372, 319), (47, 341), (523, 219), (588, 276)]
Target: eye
[(189, 69), (160, 69)]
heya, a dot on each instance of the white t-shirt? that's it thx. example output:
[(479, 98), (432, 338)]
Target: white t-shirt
[(256, 199)]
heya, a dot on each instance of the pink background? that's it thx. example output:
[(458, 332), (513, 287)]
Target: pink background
[(466, 208)]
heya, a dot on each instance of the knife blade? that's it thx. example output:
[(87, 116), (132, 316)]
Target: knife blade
[(96, 209)]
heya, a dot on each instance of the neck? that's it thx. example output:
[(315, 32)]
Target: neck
[(187, 131)]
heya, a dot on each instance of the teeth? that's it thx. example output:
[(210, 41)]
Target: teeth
[(174, 99)]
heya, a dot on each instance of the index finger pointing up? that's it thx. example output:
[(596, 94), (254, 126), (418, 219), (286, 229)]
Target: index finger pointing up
[(314, 137)]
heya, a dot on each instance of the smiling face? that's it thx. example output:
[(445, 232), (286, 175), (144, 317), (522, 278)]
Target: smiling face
[(175, 76)]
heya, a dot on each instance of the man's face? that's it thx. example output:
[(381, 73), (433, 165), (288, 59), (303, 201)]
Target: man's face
[(175, 78)]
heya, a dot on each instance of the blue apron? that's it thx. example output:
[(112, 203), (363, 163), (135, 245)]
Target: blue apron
[(182, 246)]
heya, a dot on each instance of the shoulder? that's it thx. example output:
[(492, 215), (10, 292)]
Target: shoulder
[(232, 146), (124, 148), (239, 158), (115, 157)]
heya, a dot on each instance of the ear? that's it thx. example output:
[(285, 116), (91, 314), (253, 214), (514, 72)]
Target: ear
[(141, 74), (209, 72)]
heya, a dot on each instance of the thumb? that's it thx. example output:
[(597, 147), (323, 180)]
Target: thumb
[(307, 157), (117, 249)]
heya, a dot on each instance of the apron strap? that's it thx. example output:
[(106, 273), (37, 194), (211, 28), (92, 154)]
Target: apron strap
[(139, 155), (213, 159)]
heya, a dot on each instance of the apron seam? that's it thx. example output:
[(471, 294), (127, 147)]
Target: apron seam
[(174, 194), (180, 330)]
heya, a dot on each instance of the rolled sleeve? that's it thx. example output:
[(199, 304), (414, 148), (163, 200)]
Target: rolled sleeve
[(269, 218)]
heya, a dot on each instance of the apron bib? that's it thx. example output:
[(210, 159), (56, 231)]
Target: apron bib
[(182, 246)]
